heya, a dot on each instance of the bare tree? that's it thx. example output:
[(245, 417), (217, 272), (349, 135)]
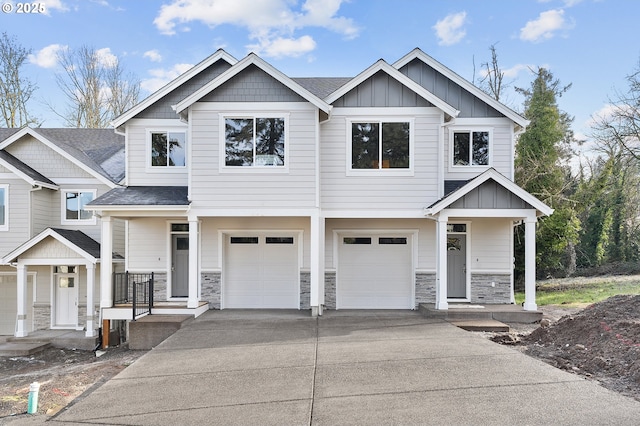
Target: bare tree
[(15, 90), (96, 87), (493, 81)]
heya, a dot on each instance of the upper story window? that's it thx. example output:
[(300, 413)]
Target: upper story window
[(168, 149), (471, 148), (259, 142), (377, 145), (73, 210), (4, 207)]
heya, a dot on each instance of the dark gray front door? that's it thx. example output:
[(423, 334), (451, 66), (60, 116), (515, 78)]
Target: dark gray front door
[(180, 266), (457, 266)]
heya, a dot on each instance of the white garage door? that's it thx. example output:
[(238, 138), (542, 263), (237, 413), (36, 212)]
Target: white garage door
[(261, 271), (374, 272), (9, 304)]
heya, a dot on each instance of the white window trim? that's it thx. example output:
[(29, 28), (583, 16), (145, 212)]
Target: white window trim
[(380, 172), (253, 169), (470, 168), (5, 225), (63, 208), (165, 169)]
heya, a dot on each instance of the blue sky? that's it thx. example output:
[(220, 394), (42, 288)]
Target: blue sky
[(592, 44)]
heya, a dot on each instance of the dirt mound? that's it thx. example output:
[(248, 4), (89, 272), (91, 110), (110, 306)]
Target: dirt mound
[(601, 342)]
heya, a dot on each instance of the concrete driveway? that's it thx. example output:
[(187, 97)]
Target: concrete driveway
[(347, 368)]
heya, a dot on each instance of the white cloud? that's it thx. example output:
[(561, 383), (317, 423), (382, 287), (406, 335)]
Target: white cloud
[(160, 77), (285, 47), (271, 23), (47, 57), (449, 30), (153, 55), (106, 58), (517, 69), (545, 27), (50, 5)]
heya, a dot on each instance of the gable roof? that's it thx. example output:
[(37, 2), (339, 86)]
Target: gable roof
[(493, 174), (33, 177), (420, 55), (383, 66), (99, 152), (82, 244), (251, 59), (172, 85)]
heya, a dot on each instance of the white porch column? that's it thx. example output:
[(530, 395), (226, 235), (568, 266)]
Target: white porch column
[(194, 273), (530, 264), (21, 323), (106, 263), (441, 262), (317, 264), (91, 278)]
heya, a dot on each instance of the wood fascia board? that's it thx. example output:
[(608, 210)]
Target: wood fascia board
[(251, 59), (172, 85), (381, 65), (447, 72), (34, 133)]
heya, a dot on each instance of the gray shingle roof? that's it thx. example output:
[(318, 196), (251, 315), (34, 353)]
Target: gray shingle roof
[(33, 174), (144, 196), (81, 240), (322, 86)]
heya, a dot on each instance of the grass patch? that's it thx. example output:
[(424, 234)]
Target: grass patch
[(580, 291)]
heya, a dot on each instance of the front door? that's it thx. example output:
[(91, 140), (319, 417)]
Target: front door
[(66, 282), (180, 265), (456, 266)]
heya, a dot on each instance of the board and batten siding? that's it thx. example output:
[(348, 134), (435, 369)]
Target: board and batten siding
[(214, 186), (381, 191), (139, 173)]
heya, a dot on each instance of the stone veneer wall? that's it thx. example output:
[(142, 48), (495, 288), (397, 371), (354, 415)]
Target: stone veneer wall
[(211, 283), (330, 290), (41, 316), (425, 288), (160, 286), (305, 290), (483, 292)]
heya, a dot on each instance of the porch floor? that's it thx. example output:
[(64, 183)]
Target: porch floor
[(39, 340), (460, 312)]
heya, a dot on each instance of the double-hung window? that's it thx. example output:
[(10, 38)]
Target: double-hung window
[(4, 207), (471, 148), (380, 145), (168, 149), (73, 207), (255, 142)]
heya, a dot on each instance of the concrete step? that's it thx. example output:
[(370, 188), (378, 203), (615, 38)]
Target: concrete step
[(151, 330), (22, 348), (481, 325)]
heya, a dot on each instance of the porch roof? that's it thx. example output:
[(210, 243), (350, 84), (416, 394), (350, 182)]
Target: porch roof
[(78, 241), (143, 196)]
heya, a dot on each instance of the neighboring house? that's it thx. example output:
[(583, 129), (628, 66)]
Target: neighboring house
[(48, 240), (246, 188)]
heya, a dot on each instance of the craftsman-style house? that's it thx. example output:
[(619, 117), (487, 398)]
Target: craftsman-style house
[(236, 186)]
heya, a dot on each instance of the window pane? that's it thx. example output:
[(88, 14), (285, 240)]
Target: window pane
[(456, 227), (158, 149), (279, 240), (461, 149), (84, 198), (364, 145), (179, 227), (480, 148), (2, 206), (392, 240), (239, 142), (395, 145), (357, 240), (269, 141), (72, 206), (244, 240), (182, 243), (177, 149)]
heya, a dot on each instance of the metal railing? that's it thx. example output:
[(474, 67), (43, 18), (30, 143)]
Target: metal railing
[(135, 289)]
